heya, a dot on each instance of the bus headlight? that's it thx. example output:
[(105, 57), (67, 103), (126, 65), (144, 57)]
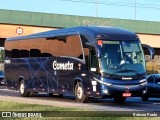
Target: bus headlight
[(105, 83)]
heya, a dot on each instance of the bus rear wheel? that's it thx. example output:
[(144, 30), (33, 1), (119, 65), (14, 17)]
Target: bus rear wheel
[(79, 93), (22, 89), (119, 99)]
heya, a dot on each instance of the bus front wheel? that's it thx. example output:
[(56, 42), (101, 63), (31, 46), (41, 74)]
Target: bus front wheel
[(79, 93), (22, 90)]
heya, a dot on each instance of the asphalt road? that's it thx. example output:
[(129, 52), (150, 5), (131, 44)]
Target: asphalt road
[(131, 104)]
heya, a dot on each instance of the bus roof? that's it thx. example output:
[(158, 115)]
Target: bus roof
[(89, 32)]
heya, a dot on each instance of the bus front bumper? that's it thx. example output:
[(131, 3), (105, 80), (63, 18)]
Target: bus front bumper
[(120, 91), (111, 92)]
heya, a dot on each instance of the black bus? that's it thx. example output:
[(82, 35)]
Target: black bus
[(89, 61)]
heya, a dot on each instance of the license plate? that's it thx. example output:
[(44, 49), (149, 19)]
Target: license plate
[(126, 94)]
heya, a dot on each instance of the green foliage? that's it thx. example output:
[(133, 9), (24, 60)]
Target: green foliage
[(1, 55), (14, 106)]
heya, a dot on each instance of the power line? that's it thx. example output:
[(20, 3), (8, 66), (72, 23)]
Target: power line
[(153, 0), (138, 5)]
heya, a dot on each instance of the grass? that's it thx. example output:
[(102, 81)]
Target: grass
[(58, 112), (14, 106)]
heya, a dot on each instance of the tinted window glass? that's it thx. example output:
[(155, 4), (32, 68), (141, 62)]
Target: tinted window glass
[(23, 53), (85, 49), (11, 50), (8, 53), (15, 53), (151, 79), (35, 53), (93, 59), (16, 49), (73, 46), (157, 80), (45, 47), (64, 46)]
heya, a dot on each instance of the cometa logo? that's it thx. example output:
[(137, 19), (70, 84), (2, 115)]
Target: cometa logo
[(62, 66)]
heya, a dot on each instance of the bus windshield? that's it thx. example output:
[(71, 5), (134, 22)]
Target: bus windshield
[(122, 58)]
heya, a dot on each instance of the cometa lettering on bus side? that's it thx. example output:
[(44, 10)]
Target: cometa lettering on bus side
[(62, 66)]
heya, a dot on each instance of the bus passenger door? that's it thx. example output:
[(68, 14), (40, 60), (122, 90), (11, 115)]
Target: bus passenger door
[(94, 70), (52, 75)]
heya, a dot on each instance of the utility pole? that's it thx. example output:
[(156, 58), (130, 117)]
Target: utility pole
[(96, 8), (135, 8)]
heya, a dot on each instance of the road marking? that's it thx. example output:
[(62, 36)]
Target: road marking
[(156, 103), (9, 90)]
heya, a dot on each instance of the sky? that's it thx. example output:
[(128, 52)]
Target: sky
[(148, 10)]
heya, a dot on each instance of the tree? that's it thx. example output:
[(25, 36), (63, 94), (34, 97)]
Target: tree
[(1, 55)]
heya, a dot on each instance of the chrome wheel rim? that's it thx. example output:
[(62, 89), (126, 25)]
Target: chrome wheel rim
[(22, 88), (79, 92)]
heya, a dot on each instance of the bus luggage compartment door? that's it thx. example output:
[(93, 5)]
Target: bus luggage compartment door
[(52, 76)]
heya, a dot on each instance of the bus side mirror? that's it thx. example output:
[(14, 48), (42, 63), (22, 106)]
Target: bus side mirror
[(150, 50)]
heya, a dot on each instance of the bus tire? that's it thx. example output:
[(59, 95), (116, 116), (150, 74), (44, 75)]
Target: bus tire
[(22, 89), (119, 100), (79, 93)]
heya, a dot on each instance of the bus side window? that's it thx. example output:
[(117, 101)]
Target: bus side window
[(35, 53), (93, 61), (24, 53), (8, 54), (15, 53)]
